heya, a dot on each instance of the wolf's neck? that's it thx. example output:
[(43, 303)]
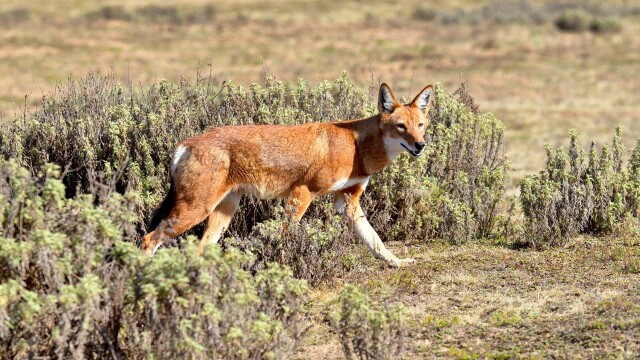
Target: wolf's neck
[(371, 147)]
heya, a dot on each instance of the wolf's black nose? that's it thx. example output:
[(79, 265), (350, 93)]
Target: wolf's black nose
[(419, 145)]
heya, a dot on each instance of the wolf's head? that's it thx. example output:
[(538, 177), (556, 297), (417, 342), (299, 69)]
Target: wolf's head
[(403, 126)]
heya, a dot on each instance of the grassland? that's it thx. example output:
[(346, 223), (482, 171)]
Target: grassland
[(480, 301), (472, 301)]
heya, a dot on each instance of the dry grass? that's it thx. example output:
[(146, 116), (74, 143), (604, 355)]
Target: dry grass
[(575, 302)]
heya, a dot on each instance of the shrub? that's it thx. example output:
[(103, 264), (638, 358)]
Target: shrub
[(75, 286), (368, 330), (605, 25), (567, 16), (313, 248), (164, 14), (110, 12), (500, 12), (580, 192), (157, 13), (574, 20), (424, 13), (505, 12), (95, 125)]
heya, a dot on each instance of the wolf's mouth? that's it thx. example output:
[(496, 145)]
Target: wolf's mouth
[(412, 152)]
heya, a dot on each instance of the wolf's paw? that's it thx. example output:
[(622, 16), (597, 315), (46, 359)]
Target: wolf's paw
[(397, 263), (407, 262)]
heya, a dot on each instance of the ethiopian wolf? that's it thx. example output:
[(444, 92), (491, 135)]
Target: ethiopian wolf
[(212, 171)]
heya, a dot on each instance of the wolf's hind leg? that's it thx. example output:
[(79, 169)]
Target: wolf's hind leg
[(219, 220)]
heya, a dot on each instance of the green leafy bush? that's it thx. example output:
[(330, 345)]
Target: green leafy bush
[(96, 126), (575, 20), (312, 248), (368, 330), (606, 24), (74, 285), (580, 192), (424, 13)]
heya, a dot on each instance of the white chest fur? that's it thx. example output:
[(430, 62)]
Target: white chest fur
[(342, 184)]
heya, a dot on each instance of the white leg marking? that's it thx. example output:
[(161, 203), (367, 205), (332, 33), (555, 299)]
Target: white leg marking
[(342, 184), (368, 235), (215, 236), (364, 231)]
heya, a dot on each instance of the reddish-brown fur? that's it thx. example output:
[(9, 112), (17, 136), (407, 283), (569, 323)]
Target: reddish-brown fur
[(296, 162)]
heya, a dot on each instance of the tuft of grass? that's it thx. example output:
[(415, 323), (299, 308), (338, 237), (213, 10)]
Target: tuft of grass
[(631, 265), (462, 354), (505, 318)]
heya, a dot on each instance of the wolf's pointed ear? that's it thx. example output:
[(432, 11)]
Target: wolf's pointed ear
[(423, 100), (386, 100)]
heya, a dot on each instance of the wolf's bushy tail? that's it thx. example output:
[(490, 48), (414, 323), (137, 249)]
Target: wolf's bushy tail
[(163, 211)]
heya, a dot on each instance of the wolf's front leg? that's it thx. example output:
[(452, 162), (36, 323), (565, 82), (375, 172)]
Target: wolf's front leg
[(350, 206)]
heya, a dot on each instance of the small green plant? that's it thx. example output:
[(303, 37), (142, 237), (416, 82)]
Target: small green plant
[(463, 354), (505, 318), (504, 355), (440, 323), (631, 265), (368, 330)]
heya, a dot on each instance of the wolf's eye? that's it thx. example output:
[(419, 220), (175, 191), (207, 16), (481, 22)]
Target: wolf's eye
[(401, 127), (421, 125)]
